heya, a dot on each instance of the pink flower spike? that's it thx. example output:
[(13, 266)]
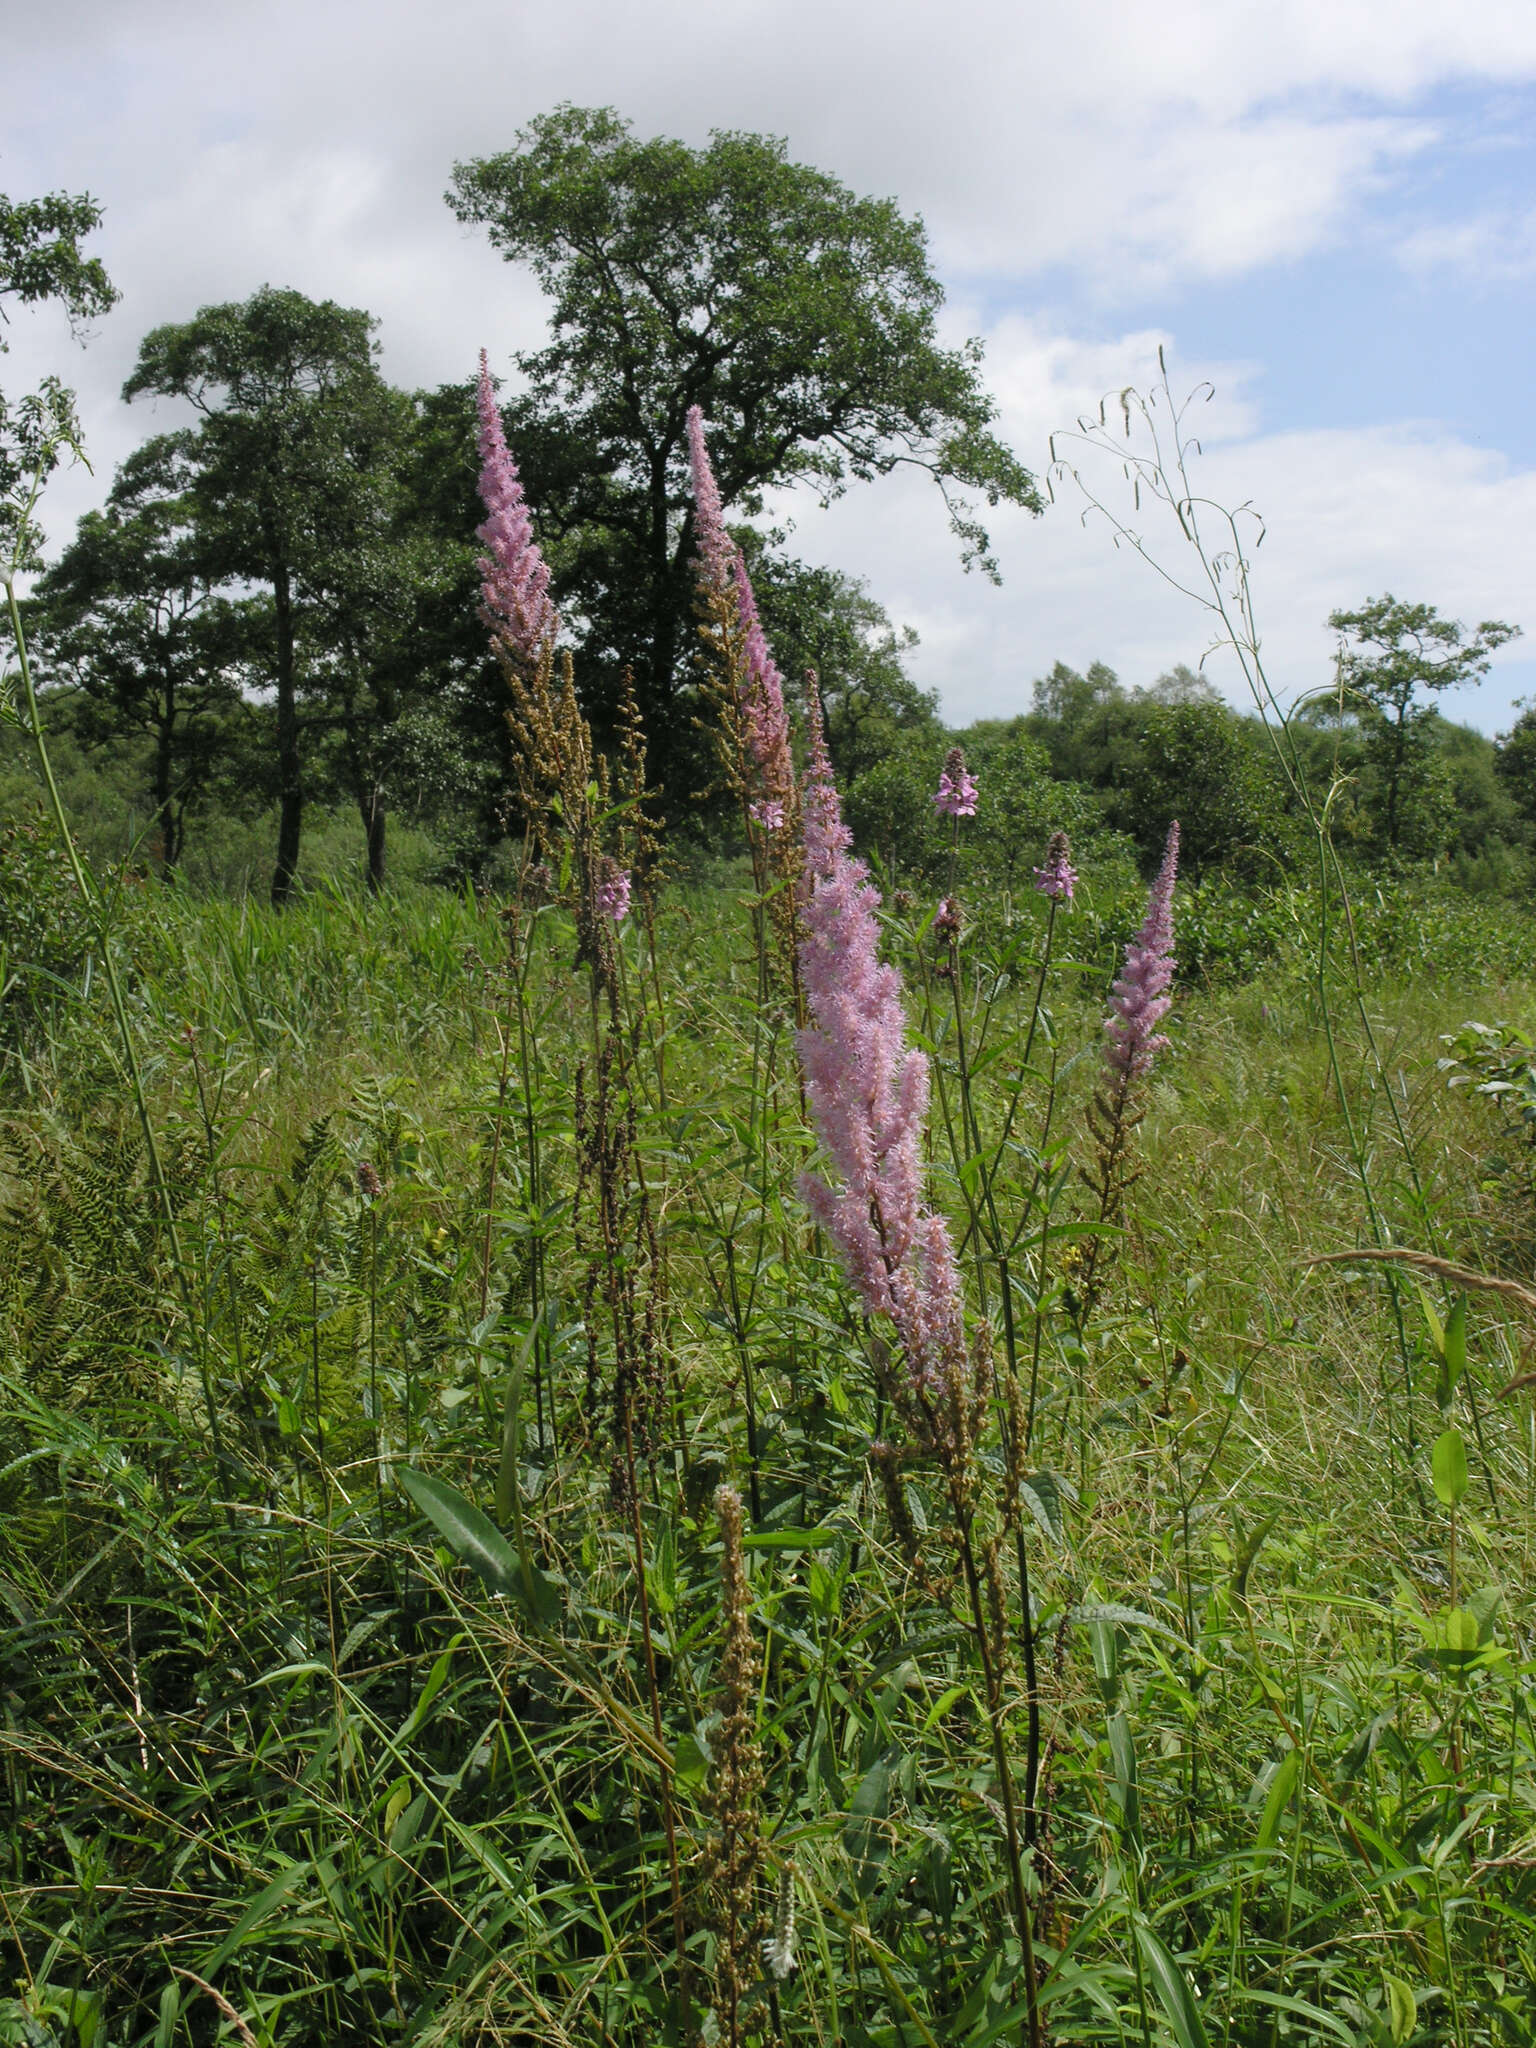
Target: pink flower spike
[(955, 796), (717, 551), (1141, 997), (515, 588), (868, 1093), (1058, 878)]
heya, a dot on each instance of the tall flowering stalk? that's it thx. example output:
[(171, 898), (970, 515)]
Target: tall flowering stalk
[(566, 792), (752, 731), (1140, 999), (867, 1090), (514, 575), (734, 1855), (563, 783)]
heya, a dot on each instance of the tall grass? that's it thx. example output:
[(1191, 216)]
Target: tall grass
[(365, 1790), (478, 1572)]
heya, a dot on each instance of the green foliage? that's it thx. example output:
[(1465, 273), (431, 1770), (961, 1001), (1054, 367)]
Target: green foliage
[(1389, 653), (1213, 771), (41, 258), (823, 621), (132, 625), (344, 1770), (802, 318), (289, 487), (45, 931)]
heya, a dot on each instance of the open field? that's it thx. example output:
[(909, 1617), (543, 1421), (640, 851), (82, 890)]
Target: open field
[(302, 1746)]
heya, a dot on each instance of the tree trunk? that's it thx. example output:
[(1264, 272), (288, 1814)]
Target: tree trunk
[(169, 824), (290, 778), (375, 815)]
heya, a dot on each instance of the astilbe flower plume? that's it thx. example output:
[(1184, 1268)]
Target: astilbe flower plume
[(1141, 997), (868, 1093), (759, 687), (515, 585)]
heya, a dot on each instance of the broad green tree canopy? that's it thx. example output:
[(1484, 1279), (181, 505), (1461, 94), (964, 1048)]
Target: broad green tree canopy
[(799, 316)]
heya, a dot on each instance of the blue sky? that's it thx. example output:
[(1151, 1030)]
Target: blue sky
[(1326, 206)]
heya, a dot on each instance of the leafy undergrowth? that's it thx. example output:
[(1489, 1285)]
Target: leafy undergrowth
[(337, 1711)]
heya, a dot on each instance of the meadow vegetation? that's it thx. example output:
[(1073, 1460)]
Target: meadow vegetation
[(694, 1435)]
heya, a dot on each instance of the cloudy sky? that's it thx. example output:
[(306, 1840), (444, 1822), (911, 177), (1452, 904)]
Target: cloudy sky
[(1325, 207)]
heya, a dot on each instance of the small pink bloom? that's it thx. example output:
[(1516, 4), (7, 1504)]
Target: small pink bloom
[(955, 796), (1058, 878), (769, 814), (613, 892)]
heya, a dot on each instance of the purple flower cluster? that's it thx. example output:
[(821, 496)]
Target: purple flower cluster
[(868, 1092), (955, 796), (516, 576), (613, 891), (762, 688), (1058, 878), (1141, 997)]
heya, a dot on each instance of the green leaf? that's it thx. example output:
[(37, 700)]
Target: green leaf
[(475, 1539), (261, 1908), (1125, 1617), (1460, 1630), (1456, 1341), (1281, 1786), (1042, 1493), (866, 1841), (508, 1493), (1402, 2006), (791, 1539), (1172, 1988), (170, 2013), (1104, 1642), (1450, 1467), (1122, 1748), (437, 1678), (1484, 1604), (690, 1760)]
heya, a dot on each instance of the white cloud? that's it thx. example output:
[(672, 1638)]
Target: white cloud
[(1348, 514), (1488, 248)]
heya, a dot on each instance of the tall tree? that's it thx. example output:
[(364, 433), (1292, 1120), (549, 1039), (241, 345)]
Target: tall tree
[(800, 317), (294, 452), (133, 622), (41, 259), (1393, 657)]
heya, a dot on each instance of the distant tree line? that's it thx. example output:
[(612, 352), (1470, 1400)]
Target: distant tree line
[(277, 605)]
